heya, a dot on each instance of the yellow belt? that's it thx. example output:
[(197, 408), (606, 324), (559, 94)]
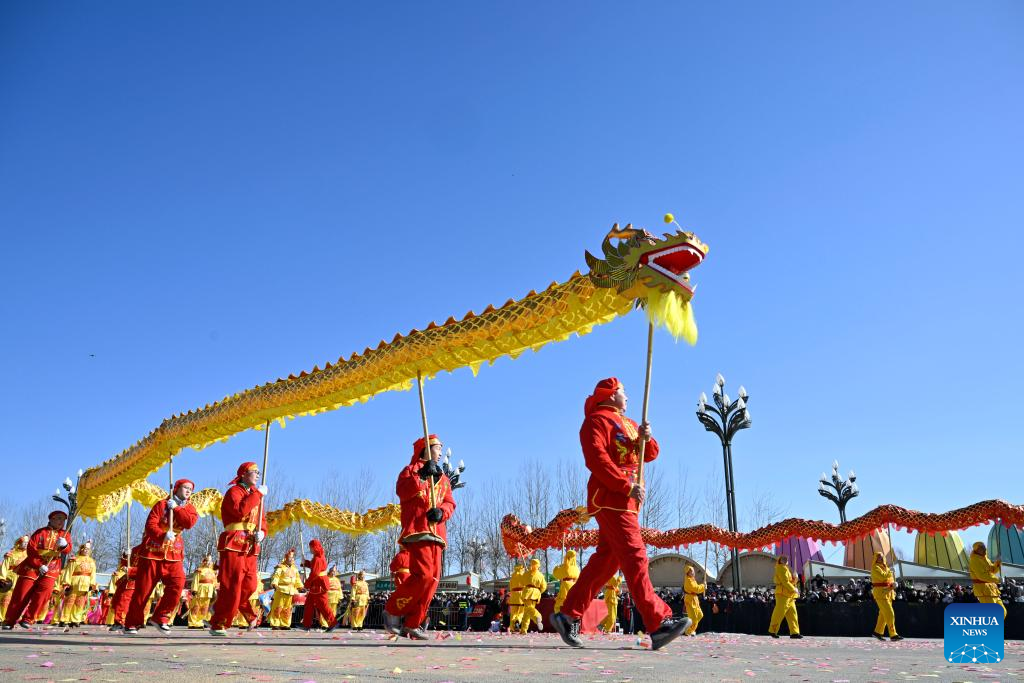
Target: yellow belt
[(241, 526)]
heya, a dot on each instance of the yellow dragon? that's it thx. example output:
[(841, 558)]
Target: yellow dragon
[(638, 270)]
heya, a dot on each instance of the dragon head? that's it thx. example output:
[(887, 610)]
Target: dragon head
[(655, 272), (640, 261)]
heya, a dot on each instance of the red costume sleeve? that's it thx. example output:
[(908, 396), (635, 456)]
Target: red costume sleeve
[(409, 484), (238, 503), (185, 516), (595, 437), (156, 523), (448, 504), (35, 544)]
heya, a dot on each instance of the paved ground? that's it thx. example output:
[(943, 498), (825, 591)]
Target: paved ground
[(93, 654)]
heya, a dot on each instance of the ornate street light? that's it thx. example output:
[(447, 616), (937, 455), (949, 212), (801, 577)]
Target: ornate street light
[(840, 491), (476, 549), (453, 473), (725, 418)]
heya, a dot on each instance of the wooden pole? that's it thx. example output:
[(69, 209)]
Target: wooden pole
[(170, 477), (705, 561), (128, 528), (426, 439), (263, 480), (647, 400)]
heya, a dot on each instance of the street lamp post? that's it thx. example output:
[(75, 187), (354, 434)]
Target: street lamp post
[(840, 491), (476, 549), (725, 420)]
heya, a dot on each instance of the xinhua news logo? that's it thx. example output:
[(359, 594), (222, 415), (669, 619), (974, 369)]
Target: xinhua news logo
[(973, 633)]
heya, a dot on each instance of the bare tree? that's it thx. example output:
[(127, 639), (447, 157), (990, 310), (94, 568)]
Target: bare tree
[(654, 513), (763, 509), (715, 513)]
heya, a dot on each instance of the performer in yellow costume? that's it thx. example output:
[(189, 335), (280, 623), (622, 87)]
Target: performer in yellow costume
[(286, 582), (691, 600), (204, 584), (611, 603), (985, 577), (78, 580), (12, 558), (566, 573), (515, 597), (534, 586), (360, 601), (786, 594), (335, 594), (883, 589)]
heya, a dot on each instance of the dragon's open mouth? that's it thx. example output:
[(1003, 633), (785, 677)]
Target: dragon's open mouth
[(674, 262)]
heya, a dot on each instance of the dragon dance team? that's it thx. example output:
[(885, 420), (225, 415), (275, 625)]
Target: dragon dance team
[(40, 574)]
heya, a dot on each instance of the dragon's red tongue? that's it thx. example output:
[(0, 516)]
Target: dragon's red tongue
[(678, 260)]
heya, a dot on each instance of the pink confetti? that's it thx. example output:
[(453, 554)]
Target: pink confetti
[(49, 664)]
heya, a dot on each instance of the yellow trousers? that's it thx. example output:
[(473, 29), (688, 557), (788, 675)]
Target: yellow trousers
[(75, 608), (886, 617), (693, 611), (515, 616), (198, 612), (563, 590), (358, 615), (995, 600), (281, 610), (784, 608), (608, 623), (530, 613), (332, 607), (5, 600), (109, 619)]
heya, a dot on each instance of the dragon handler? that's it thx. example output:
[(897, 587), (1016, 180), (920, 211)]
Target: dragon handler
[(611, 446)]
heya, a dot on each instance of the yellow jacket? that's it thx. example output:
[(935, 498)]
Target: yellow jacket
[(612, 590), (515, 586), (286, 579), (360, 594), (985, 576), (79, 574), (692, 589), (534, 583), (568, 571), (204, 583), (882, 582), (784, 585), (335, 593), (11, 560)]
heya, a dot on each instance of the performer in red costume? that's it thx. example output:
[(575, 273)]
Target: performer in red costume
[(423, 535), (161, 559), (125, 588), (245, 527), (38, 571), (317, 587), (611, 447), (400, 566)]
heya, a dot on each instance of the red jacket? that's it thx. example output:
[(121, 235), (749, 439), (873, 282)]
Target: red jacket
[(128, 580), (317, 581), (414, 496), (400, 567), (239, 511), (155, 545), (42, 549), (611, 450)]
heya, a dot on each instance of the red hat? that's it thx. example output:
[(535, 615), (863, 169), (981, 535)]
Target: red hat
[(183, 481), (418, 446), (242, 469), (316, 547), (56, 512), (602, 392)]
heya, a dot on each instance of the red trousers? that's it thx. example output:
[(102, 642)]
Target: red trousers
[(149, 573), (29, 597), (619, 546), (317, 603), (412, 598), (122, 599), (238, 581)]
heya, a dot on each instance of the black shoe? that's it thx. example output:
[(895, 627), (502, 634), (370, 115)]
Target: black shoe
[(165, 628), (25, 624), (795, 636), (669, 630), (115, 627), (893, 639), (773, 635), (130, 631), (330, 629), (6, 627), (878, 636), (392, 624), (415, 634), (568, 629)]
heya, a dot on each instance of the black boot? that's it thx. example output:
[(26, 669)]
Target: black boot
[(568, 629), (878, 636), (669, 630)]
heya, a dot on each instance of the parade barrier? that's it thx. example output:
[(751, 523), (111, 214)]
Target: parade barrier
[(563, 532)]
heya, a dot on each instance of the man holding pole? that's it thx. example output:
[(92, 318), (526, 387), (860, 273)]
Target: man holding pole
[(613, 446), (245, 527), (425, 495), (160, 561), (38, 571)]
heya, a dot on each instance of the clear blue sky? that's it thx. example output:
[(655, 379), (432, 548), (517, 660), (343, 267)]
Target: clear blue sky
[(198, 198)]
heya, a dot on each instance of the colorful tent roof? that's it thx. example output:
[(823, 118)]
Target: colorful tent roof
[(944, 550), (799, 550), (861, 553), (1006, 543)]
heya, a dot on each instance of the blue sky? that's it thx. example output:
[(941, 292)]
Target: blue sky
[(196, 199)]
